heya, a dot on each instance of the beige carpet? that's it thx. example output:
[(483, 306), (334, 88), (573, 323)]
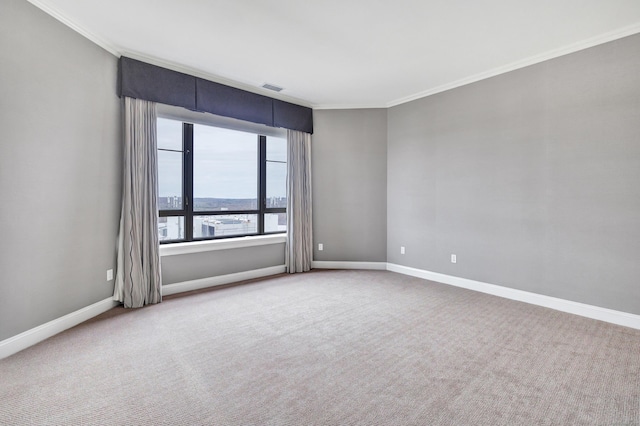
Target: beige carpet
[(329, 348)]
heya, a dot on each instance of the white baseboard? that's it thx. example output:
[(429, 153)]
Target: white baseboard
[(595, 312), (221, 279), (28, 338), (321, 264)]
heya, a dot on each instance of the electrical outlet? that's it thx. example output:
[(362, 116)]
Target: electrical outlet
[(320, 247), (402, 250), (109, 274), (454, 258)]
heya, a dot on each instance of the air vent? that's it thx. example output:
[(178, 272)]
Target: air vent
[(272, 87)]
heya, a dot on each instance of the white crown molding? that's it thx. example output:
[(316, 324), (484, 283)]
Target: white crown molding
[(199, 284), (351, 106), (45, 6), (575, 47), (35, 335), (57, 14), (589, 311), (118, 52)]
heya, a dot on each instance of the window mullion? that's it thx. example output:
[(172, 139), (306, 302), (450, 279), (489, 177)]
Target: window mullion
[(262, 181), (187, 139)]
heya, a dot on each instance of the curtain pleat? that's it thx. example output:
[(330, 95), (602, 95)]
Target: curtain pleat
[(299, 213), (138, 279)]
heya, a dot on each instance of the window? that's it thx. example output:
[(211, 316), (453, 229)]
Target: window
[(215, 182)]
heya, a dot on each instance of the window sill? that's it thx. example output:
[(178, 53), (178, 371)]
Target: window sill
[(226, 244)]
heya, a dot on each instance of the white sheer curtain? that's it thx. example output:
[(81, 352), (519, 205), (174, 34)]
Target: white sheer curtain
[(138, 280), (299, 226)]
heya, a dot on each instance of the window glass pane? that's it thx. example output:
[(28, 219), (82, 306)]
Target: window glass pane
[(171, 228), (169, 180), (224, 225), (276, 184), (169, 134), (225, 169), (276, 149), (275, 222)]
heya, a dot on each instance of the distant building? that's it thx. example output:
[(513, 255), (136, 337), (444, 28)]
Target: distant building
[(220, 226), (172, 228)]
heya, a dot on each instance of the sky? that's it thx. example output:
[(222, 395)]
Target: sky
[(225, 162)]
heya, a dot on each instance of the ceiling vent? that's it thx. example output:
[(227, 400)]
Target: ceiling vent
[(272, 87)]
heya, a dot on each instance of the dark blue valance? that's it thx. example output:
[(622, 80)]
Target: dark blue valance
[(228, 101), (292, 116), (152, 83)]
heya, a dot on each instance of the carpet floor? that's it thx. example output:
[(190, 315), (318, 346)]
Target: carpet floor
[(329, 348)]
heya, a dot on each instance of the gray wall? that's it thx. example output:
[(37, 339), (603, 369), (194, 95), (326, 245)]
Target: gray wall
[(193, 266), (349, 162), (531, 178), (60, 170)]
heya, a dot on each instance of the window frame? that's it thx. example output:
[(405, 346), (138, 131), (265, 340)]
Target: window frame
[(187, 191)]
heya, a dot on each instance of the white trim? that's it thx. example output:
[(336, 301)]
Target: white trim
[(221, 279), (51, 10), (575, 47), (373, 105), (42, 332), (224, 244), (595, 312), (35, 335), (321, 264), (118, 51)]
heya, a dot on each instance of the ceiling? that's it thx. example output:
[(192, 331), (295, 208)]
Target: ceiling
[(346, 53)]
